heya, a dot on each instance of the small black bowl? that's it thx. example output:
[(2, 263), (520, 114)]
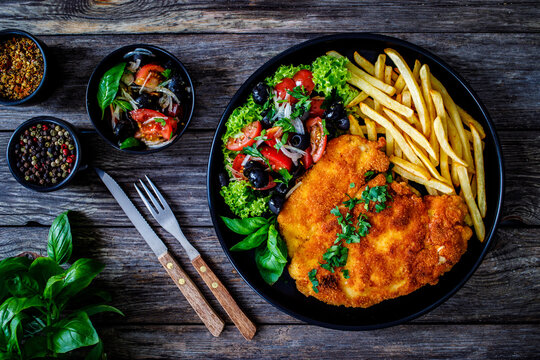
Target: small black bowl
[(94, 112), (11, 160), (33, 97)]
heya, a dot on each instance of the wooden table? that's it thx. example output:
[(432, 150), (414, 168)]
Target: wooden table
[(494, 45)]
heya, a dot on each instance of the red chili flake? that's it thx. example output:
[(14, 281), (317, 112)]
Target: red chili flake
[(21, 142), (35, 139), (65, 151), (69, 160), (35, 166), (45, 127)]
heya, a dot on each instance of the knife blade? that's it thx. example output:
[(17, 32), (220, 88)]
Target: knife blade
[(151, 238)]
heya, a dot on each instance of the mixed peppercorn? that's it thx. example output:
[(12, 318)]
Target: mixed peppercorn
[(21, 68), (45, 154)]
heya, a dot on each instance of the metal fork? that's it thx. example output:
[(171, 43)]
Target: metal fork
[(163, 214)]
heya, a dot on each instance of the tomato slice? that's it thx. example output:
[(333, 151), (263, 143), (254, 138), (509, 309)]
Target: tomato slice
[(273, 134), (154, 124), (277, 159), (304, 78), (307, 160), (246, 138), (318, 139), (315, 109), (149, 75), (284, 87), (237, 166)]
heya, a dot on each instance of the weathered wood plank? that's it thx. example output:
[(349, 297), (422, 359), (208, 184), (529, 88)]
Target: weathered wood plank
[(180, 172), (221, 63), (309, 342), (507, 279), (97, 17)]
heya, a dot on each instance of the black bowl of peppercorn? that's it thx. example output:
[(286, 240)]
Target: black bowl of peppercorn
[(23, 67), (44, 153)]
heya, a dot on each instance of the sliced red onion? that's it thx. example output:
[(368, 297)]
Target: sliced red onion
[(289, 193), (293, 149), (298, 126), (246, 159), (141, 51)]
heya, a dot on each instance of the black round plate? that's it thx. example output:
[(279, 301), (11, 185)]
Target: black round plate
[(284, 294)]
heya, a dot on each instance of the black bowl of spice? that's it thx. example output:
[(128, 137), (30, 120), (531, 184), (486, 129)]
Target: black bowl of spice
[(44, 153), (23, 67)]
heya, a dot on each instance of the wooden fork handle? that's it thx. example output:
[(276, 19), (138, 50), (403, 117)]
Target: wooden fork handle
[(193, 295), (242, 322)]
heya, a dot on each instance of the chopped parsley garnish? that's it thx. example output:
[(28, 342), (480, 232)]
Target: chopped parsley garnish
[(369, 175), (285, 124), (253, 151), (160, 121), (362, 225), (345, 273), (286, 176), (378, 194), (166, 73), (262, 136), (389, 177), (312, 275), (335, 256), (351, 185), (325, 130)]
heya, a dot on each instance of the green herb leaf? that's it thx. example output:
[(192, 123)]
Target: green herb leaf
[(345, 273), (42, 269), (124, 105), (108, 86), (160, 121), (275, 244), (129, 143), (351, 185), (377, 194), (60, 244), (73, 332), (23, 285), (325, 130), (15, 305), (97, 352), (268, 265), (312, 275), (244, 226), (369, 175), (8, 268), (166, 73), (285, 176), (252, 240), (100, 308), (253, 151)]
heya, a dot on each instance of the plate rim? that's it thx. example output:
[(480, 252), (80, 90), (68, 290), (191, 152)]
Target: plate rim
[(216, 139)]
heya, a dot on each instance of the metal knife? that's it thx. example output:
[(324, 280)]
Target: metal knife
[(188, 288)]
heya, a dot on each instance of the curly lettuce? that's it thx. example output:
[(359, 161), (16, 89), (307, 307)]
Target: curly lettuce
[(240, 117), (330, 73), (242, 201), (284, 71)]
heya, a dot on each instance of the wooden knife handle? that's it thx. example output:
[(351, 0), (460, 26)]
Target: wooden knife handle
[(193, 295), (242, 322)]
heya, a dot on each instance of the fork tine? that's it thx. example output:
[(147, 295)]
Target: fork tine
[(148, 206), (160, 197), (151, 196)]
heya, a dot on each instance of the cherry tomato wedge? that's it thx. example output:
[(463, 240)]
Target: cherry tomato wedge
[(318, 139), (273, 134), (247, 138), (149, 75), (154, 124), (237, 166), (304, 78), (284, 87), (277, 159), (316, 103), (307, 160)]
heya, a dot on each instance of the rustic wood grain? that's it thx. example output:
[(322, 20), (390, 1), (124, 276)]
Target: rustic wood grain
[(503, 290), (499, 67), (193, 295), (207, 16), (310, 342), (180, 172)]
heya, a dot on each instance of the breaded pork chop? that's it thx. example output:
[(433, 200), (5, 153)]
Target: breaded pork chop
[(411, 243)]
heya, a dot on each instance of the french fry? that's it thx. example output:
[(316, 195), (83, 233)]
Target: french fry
[(443, 141), (355, 128), (388, 75), (456, 119), (375, 80), (381, 120), (397, 150), (359, 98), (416, 70), (380, 96), (371, 130), (426, 88), (406, 98), (435, 146), (413, 87), (379, 74), (431, 191), (415, 192), (456, 146), (411, 131), (389, 144), (471, 204), (433, 183), (480, 174), (468, 120), (425, 160), (410, 167), (364, 63)]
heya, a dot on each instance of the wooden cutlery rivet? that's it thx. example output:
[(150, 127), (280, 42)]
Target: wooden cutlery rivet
[(214, 285), (181, 281), (203, 268), (169, 266)]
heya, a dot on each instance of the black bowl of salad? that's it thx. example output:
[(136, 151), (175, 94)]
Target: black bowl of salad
[(250, 175), (140, 98)]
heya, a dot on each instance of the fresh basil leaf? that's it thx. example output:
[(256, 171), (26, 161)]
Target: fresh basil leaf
[(42, 269), (275, 245), (268, 265), (108, 86), (96, 309), (15, 328), (15, 305), (129, 143), (35, 347), (23, 285), (97, 352), (73, 332), (9, 267), (166, 73), (252, 240), (123, 104), (244, 226), (60, 242), (63, 286)]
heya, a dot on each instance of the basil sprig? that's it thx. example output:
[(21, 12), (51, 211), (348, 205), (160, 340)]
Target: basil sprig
[(40, 315), (262, 235), (108, 86)]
